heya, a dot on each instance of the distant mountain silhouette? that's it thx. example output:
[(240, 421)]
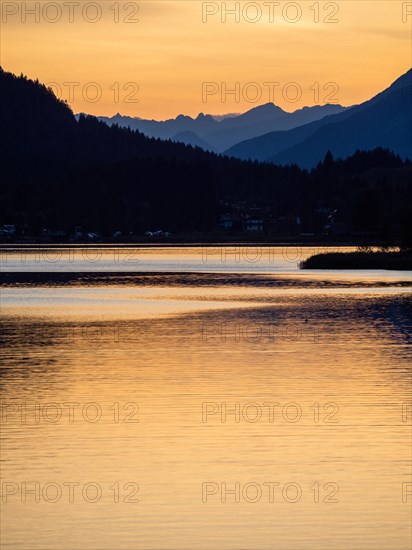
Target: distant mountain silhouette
[(219, 134), (166, 129), (383, 121), (227, 115)]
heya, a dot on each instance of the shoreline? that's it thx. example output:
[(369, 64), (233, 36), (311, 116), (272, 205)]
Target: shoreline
[(394, 261), (184, 244)]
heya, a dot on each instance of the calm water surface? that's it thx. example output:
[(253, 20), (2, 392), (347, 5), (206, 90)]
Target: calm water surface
[(252, 406)]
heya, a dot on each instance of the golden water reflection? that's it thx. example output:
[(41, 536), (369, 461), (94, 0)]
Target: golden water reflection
[(293, 406)]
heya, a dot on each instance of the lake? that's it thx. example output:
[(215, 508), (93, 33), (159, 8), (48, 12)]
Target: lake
[(203, 398)]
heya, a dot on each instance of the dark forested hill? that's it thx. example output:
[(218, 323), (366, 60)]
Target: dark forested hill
[(59, 172)]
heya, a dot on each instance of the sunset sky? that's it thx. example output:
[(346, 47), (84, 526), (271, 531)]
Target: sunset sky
[(168, 50)]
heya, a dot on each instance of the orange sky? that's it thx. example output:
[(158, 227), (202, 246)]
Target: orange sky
[(168, 50)]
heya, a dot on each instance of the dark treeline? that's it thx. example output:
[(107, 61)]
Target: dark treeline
[(58, 173)]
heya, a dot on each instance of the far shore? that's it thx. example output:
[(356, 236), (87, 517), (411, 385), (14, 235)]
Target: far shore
[(186, 243), (397, 261)]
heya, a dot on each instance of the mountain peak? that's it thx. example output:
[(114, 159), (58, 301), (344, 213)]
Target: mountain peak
[(183, 117), (268, 108), (202, 116), (262, 112)]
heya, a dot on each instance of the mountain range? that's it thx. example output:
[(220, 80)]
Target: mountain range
[(385, 121), (270, 134), (219, 133)]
